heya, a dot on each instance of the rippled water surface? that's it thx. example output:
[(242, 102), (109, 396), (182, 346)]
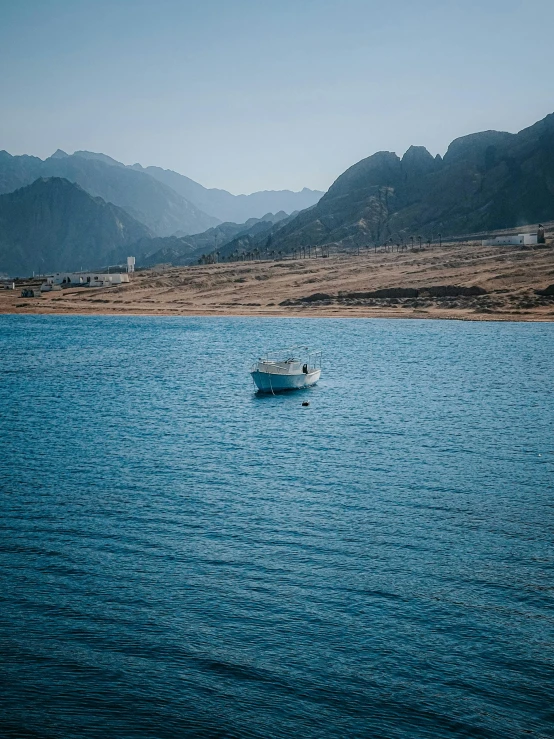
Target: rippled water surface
[(182, 558)]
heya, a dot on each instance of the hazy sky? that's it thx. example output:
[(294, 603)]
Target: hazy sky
[(267, 94)]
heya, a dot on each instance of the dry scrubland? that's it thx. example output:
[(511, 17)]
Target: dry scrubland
[(509, 275)]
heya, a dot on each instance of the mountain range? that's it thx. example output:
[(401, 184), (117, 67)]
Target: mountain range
[(54, 224), (485, 181)]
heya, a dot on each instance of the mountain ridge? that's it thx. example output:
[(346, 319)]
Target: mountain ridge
[(228, 207), (218, 202)]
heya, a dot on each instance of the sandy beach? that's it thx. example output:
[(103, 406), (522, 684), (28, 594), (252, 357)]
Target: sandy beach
[(335, 286)]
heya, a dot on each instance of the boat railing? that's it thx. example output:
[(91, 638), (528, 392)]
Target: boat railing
[(291, 354)]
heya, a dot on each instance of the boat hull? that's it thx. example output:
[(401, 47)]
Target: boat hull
[(270, 382)]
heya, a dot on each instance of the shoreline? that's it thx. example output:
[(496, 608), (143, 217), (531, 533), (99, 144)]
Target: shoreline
[(430, 316)]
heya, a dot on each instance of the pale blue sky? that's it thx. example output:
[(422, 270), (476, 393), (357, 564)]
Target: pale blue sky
[(266, 94)]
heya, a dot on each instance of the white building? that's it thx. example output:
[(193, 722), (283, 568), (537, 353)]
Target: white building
[(130, 265), (83, 279), (520, 239)]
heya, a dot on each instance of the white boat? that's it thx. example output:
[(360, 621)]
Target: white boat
[(288, 369)]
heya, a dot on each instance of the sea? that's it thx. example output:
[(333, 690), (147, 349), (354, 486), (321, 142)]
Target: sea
[(181, 557)]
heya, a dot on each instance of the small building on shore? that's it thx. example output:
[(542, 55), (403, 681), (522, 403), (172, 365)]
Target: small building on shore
[(83, 279), (513, 240)]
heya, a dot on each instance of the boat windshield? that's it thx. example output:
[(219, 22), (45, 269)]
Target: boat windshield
[(304, 354)]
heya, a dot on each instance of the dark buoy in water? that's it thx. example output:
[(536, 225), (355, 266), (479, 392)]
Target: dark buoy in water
[(305, 403)]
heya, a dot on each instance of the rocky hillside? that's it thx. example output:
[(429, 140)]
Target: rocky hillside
[(485, 181), (149, 201), (54, 225)]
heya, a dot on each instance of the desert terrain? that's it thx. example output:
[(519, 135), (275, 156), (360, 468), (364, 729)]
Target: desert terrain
[(503, 282)]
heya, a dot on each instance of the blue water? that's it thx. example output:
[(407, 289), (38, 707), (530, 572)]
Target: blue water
[(182, 558)]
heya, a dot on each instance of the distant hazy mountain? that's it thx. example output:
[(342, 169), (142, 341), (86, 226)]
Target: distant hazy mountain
[(187, 249), (219, 203), (54, 225), (486, 181), (157, 206), (228, 207)]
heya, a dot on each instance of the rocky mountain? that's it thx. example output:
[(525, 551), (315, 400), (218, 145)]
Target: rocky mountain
[(149, 201), (228, 207), (53, 225), (485, 181)]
